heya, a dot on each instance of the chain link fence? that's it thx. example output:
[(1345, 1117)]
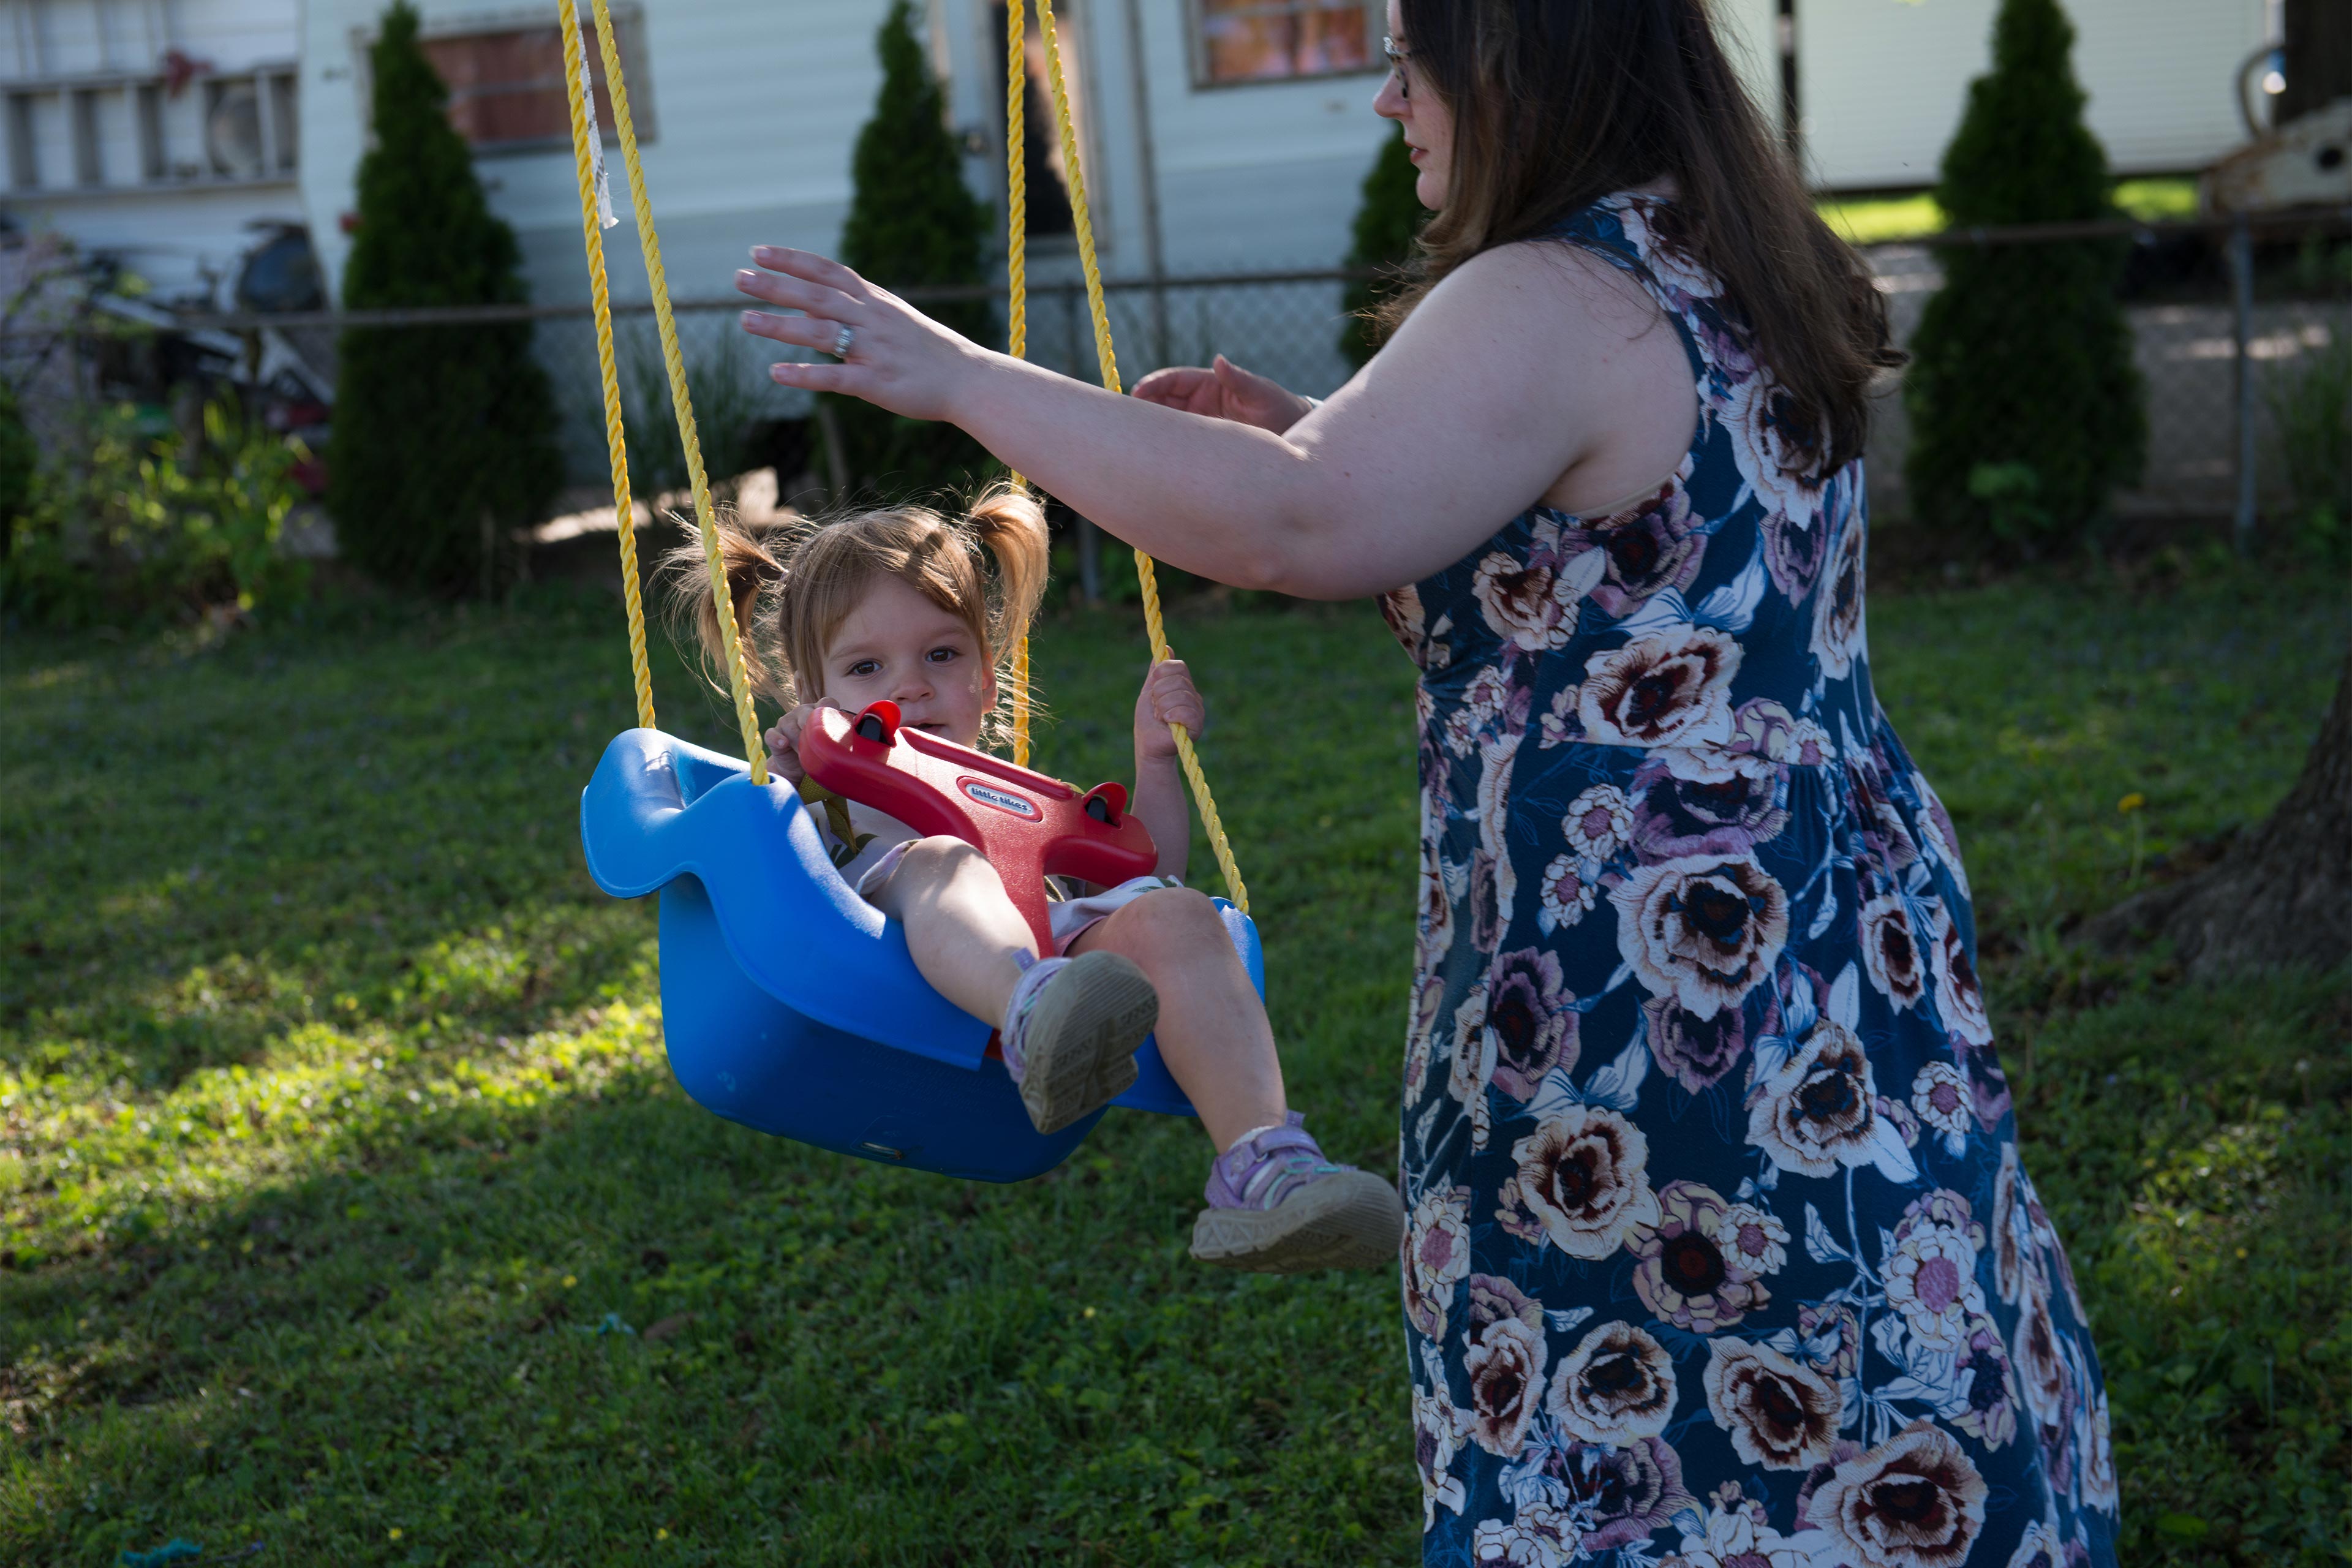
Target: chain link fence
[(1285, 325), (2235, 333), (2239, 330), (2243, 337)]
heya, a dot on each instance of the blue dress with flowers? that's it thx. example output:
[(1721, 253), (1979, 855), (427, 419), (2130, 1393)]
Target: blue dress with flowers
[(1720, 1250)]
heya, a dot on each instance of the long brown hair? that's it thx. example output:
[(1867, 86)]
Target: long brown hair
[(793, 587), (1556, 103)]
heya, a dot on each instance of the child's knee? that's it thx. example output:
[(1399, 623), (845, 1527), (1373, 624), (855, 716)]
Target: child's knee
[(1174, 918), (937, 858)]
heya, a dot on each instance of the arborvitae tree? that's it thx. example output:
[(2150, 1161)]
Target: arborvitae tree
[(1387, 219), (445, 436), (2026, 409), (912, 222)]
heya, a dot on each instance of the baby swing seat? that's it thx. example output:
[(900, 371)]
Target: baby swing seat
[(789, 1003)]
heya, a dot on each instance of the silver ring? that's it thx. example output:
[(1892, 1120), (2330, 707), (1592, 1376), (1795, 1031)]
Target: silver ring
[(841, 342)]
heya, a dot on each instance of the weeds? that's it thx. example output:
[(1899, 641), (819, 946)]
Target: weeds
[(130, 523)]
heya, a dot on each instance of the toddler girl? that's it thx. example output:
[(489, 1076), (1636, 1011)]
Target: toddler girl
[(896, 603)]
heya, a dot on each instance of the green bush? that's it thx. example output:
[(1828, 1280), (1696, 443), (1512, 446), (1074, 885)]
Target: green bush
[(445, 436), (133, 527), (2024, 359), (1388, 217), (912, 223)]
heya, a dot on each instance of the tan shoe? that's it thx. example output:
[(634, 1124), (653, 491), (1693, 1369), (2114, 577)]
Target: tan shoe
[(1277, 1206), (1072, 1033)]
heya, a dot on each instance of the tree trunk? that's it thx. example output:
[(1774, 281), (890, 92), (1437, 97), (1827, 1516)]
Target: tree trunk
[(2282, 894)]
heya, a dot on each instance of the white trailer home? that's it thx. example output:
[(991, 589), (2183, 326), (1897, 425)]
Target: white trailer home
[(745, 114), (1881, 83), (158, 131), (1220, 135)]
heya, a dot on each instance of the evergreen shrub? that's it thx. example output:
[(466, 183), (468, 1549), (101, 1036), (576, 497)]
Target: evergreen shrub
[(912, 223), (1388, 218), (445, 437), (2027, 411)]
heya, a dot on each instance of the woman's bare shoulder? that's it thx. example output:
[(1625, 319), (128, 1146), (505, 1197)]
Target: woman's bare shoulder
[(1562, 286)]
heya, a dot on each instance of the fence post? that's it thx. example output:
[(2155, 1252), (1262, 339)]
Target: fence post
[(837, 458), (1147, 164), (2242, 282)]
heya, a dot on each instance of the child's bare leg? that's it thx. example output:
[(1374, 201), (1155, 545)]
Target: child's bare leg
[(1214, 1035), (1069, 1028), (962, 932)]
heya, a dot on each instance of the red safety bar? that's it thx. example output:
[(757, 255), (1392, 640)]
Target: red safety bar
[(1028, 827)]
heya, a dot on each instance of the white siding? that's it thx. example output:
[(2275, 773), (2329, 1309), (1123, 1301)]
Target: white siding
[(1881, 82), (1749, 31), (1249, 175), (1259, 174), (189, 227), (754, 112)]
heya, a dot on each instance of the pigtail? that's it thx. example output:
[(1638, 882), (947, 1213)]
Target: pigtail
[(754, 573), (1010, 524)]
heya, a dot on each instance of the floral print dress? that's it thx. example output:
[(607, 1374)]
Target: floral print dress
[(1720, 1252)]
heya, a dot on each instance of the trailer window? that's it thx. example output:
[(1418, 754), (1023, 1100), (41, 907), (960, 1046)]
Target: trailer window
[(1280, 40), (505, 87)]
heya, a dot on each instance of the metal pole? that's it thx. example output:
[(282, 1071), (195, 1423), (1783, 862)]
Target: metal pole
[(1155, 258), (2241, 277), (837, 458)]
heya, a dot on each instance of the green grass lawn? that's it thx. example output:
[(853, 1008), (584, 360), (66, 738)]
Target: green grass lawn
[(1876, 220), (348, 1208)]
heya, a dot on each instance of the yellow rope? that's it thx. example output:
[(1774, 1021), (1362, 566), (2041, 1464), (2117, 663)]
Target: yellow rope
[(592, 233), (738, 679), (1016, 272), (1107, 357), (674, 362)]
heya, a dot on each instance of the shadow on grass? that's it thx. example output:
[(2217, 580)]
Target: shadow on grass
[(2193, 1144), (209, 853), (270, 1295), (483, 1331)]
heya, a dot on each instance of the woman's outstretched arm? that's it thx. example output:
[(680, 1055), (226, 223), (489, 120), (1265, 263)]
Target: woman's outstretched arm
[(1526, 364)]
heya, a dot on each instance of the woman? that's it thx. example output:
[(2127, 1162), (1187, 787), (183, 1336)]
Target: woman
[(1720, 1249)]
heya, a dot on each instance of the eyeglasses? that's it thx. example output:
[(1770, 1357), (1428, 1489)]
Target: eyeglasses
[(1397, 58)]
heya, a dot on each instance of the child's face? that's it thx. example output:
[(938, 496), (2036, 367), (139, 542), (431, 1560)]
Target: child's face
[(899, 645)]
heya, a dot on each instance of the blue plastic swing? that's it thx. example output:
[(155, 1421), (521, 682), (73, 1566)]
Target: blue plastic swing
[(789, 1003)]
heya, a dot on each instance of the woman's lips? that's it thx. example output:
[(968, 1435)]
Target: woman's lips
[(1412, 153)]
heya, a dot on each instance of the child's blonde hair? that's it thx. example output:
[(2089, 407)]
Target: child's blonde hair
[(793, 587)]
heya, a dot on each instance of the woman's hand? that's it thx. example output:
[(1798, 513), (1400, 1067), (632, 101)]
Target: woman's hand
[(784, 741), (898, 358), (1224, 391), (1168, 698)]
